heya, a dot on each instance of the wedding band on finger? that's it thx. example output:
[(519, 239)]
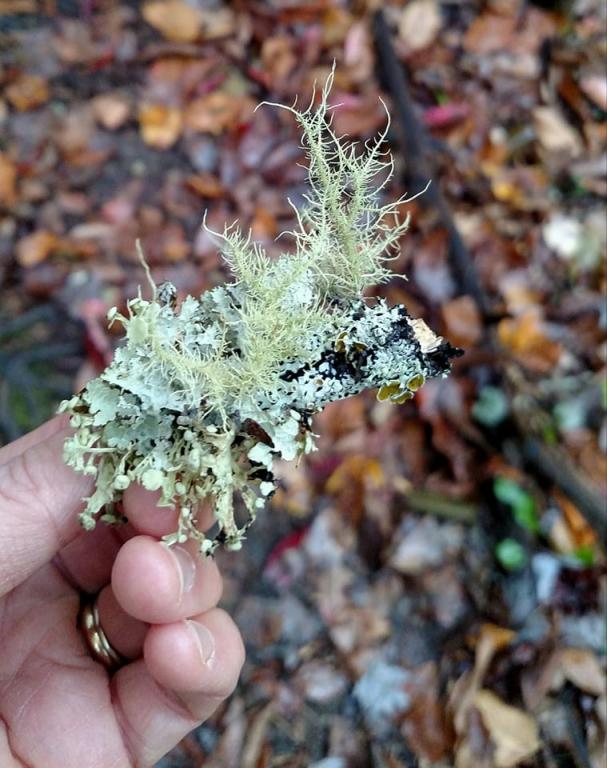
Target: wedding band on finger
[(97, 642)]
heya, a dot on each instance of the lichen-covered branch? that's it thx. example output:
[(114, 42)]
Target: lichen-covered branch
[(205, 394)]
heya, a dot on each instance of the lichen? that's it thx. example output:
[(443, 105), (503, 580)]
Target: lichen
[(206, 393)]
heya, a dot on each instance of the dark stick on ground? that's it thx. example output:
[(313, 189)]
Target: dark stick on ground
[(419, 166), (412, 137)]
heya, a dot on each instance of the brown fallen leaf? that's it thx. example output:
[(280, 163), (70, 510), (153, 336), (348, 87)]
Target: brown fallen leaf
[(514, 732), (27, 92), (213, 113), (111, 110), (424, 726), (8, 181), (525, 338), (160, 125), (594, 87), (205, 185), (463, 321), (278, 57), (174, 19), (581, 667), (494, 33), (554, 133), (35, 248), (420, 22)]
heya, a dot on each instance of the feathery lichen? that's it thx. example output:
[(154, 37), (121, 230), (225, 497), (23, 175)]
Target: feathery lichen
[(206, 393)]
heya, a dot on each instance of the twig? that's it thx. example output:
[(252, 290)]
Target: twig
[(419, 167), (414, 143)]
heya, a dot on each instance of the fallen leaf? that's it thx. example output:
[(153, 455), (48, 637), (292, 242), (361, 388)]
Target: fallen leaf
[(582, 668), (111, 110), (514, 732), (351, 479), (219, 22), (494, 33), (525, 338), (595, 88), (554, 133), (491, 640), (205, 185), (8, 181), (278, 57), (213, 113), (320, 681), (27, 92), (424, 726), (35, 248), (160, 125), (355, 115), (445, 115), (420, 22), (425, 545), (174, 19), (463, 321)]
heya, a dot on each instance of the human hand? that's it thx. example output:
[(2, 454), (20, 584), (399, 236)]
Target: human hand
[(59, 708)]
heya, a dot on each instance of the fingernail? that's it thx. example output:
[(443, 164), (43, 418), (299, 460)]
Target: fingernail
[(186, 568), (204, 640)]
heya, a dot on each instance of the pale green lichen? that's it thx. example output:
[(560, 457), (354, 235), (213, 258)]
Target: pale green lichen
[(206, 393)]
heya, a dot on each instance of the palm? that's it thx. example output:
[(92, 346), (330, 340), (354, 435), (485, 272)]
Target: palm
[(58, 707), (56, 702)]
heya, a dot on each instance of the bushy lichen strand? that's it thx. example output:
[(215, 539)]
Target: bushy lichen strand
[(203, 396)]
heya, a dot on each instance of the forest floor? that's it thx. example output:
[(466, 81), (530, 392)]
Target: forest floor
[(429, 588)]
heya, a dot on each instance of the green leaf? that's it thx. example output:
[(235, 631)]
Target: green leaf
[(492, 406), (585, 555), (511, 555), (520, 502)]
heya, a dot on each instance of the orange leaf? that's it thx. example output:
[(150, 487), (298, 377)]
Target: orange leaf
[(8, 181), (205, 185), (174, 19), (27, 92), (213, 113), (526, 339), (160, 125), (35, 248), (463, 321)]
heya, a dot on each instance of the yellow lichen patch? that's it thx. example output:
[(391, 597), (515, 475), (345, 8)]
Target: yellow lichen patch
[(389, 391), (415, 382), (400, 399), (340, 343)]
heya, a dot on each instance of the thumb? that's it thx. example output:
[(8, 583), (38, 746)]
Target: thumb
[(40, 498)]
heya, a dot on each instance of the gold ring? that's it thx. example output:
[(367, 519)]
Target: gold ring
[(99, 646)]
